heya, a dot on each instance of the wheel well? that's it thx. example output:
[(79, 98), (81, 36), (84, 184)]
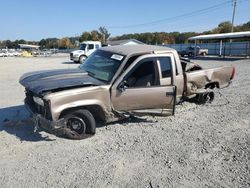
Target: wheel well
[(95, 110), (212, 85), (82, 56)]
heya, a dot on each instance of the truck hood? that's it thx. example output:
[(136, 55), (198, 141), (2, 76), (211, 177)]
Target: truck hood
[(78, 52), (56, 80)]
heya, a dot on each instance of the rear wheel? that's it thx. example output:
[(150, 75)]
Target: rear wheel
[(80, 124), (190, 54), (205, 97)]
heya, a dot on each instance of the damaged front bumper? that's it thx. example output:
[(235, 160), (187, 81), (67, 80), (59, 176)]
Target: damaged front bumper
[(54, 127), (57, 128)]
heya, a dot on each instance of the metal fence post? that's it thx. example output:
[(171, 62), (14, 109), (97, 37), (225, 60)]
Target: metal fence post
[(220, 48), (248, 50), (195, 41)]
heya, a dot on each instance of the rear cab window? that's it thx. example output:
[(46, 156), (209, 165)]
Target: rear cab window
[(165, 64)]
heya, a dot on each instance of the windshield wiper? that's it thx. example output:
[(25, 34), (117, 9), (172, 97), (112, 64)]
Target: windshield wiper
[(93, 75)]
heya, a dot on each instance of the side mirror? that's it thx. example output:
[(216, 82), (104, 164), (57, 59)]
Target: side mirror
[(122, 86)]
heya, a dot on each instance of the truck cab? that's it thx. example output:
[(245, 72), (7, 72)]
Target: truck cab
[(86, 49)]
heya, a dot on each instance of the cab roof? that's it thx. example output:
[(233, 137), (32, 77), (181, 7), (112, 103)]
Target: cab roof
[(128, 50), (91, 42)]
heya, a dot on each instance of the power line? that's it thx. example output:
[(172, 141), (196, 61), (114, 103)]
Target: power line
[(190, 14)]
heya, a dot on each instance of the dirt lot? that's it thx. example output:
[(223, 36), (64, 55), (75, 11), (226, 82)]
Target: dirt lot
[(201, 146)]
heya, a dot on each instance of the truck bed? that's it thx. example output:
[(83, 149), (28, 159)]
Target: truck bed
[(197, 78)]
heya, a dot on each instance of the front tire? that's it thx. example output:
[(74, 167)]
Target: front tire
[(80, 124), (204, 54), (82, 59)]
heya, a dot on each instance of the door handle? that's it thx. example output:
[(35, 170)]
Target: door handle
[(169, 93)]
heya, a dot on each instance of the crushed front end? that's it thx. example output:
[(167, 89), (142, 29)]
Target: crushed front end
[(41, 114)]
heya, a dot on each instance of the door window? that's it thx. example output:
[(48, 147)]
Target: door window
[(143, 75), (91, 46)]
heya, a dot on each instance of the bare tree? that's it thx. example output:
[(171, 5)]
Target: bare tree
[(105, 34)]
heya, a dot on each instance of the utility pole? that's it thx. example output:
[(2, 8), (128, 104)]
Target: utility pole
[(234, 7)]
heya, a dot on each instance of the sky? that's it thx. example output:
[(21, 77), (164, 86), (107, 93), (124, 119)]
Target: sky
[(36, 19)]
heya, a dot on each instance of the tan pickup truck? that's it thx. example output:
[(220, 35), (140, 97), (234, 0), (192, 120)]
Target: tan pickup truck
[(114, 82)]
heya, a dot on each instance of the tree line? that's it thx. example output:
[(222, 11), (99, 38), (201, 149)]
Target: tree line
[(102, 34), (180, 38)]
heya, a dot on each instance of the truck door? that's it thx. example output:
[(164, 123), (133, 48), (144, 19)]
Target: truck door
[(139, 89), (90, 49)]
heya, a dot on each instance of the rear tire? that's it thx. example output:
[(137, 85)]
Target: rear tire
[(80, 124), (204, 98)]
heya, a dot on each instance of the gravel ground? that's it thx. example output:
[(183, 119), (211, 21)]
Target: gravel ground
[(201, 146)]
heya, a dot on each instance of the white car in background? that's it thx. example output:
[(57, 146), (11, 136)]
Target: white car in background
[(45, 52), (17, 53), (10, 53), (2, 54), (6, 53)]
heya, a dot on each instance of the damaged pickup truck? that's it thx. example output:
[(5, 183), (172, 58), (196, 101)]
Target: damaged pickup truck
[(114, 82)]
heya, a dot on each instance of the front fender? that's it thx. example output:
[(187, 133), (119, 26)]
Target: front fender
[(72, 98)]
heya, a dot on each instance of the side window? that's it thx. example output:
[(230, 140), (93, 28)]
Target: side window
[(97, 46), (165, 63), (91, 46), (144, 75)]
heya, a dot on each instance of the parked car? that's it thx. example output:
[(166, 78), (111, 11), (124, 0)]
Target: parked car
[(86, 49), (2, 54), (5, 53), (190, 51), (54, 51), (45, 52), (17, 53), (114, 82), (10, 54)]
